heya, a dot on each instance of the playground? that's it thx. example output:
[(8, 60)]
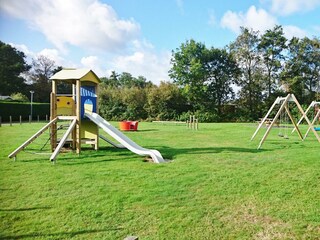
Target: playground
[(217, 186)]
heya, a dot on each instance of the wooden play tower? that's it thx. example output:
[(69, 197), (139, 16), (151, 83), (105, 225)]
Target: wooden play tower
[(71, 107)]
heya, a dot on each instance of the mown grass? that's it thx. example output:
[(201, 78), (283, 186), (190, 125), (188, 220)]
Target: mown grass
[(217, 186)]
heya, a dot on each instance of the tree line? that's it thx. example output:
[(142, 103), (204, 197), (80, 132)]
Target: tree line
[(236, 83), (261, 66)]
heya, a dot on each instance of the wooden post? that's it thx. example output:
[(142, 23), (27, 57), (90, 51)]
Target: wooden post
[(194, 122), (53, 115), (273, 121), (46, 117), (10, 119), (97, 111), (78, 109), (38, 119), (0, 121), (74, 132), (313, 122), (20, 119), (293, 121), (264, 119), (62, 141), (30, 119), (190, 122), (306, 117), (306, 112), (197, 124)]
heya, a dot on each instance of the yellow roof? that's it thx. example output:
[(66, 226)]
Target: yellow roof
[(76, 74)]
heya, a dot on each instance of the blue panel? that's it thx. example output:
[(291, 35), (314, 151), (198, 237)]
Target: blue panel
[(88, 96), (88, 91)]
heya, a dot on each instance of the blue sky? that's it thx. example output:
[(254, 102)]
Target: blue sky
[(137, 36)]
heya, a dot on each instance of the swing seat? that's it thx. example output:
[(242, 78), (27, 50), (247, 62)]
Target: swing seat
[(317, 128)]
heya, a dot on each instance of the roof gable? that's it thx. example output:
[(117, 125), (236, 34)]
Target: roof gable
[(76, 74)]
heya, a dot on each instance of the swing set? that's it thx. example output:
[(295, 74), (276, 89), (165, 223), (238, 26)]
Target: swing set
[(315, 116), (284, 109)]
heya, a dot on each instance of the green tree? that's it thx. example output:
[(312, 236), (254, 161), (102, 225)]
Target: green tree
[(12, 65), (134, 99), (112, 81), (165, 102), (188, 71), (302, 69), (41, 71), (272, 45), (111, 106), (246, 52), (221, 72)]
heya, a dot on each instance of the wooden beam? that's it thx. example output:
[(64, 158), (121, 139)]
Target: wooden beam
[(67, 117), (78, 114), (313, 122), (306, 117), (31, 139), (264, 119), (293, 121), (273, 121), (63, 140), (306, 112)]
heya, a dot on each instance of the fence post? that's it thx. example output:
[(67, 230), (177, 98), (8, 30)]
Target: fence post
[(46, 117), (30, 119), (38, 118), (0, 121), (20, 119), (10, 119)]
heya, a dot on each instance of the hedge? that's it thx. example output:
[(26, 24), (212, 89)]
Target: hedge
[(17, 109)]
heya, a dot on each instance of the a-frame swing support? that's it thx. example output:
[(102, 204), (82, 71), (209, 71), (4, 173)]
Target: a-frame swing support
[(313, 122), (312, 104), (284, 105)]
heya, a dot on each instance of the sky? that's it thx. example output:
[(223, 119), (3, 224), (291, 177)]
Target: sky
[(138, 36)]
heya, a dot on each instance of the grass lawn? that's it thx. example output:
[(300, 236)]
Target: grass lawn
[(218, 186)]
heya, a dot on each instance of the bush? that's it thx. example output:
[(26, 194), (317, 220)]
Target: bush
[(19, 97), (15, 110)]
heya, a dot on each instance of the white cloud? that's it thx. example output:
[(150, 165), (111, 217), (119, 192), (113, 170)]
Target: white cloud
[(89, 24), (23, 48), (52, 54), (143, 61), (287, 7), (94, 63), (256, 19), (80, 26), (293, 31)]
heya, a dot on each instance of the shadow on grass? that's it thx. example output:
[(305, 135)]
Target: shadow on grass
[(111, 154), (64, 235), (170, 153), (148, 130), (24, 209)]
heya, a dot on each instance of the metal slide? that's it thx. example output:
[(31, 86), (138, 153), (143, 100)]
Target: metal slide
[(123, 139)]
